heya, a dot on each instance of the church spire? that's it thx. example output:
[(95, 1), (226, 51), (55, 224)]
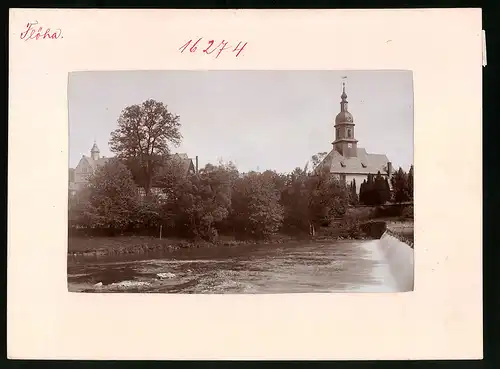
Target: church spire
[(343, 103)]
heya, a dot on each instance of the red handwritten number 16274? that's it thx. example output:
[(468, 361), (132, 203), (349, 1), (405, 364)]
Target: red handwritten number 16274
[(211, 48)]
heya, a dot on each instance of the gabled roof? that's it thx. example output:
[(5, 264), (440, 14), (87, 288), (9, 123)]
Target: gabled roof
[(183, 161), (96, 163), (364, 163)]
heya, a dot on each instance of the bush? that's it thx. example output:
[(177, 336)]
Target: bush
[(388, 211), (407, 212), (374, 229)]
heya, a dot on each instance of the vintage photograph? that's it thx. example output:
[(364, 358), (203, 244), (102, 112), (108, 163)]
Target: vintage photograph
[(230, 182)]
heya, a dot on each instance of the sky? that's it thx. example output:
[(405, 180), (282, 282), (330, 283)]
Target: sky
[(259, 120)]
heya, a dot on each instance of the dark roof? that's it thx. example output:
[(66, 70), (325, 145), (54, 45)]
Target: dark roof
[(96, 163), (363, 163)]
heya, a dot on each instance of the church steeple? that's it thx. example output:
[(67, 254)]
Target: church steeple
[(94, 152), (345, 143)]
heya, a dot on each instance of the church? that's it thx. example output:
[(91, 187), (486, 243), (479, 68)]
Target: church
[(346, 160)]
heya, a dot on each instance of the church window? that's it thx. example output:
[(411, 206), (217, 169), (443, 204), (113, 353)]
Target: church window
[(349, 133)]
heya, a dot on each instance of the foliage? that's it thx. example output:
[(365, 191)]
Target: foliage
[(353, 195), (312, 199), (327, 198), (317, 159), (256, 209), (400, 186), (149, 214), (374, 229), (375, 190), (143, 136), (294, 198), (410, 183), (112, 198), (196, 203), (408, 212), (216, 199)]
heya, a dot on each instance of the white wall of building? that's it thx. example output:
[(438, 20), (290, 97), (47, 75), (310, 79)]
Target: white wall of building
[(358, 177)]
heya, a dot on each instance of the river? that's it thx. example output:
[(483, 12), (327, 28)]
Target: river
[(340, 266)]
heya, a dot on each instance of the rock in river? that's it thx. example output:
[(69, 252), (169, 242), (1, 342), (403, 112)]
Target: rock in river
[(166, 275)]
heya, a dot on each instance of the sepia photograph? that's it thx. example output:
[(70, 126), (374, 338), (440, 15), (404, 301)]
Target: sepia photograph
[(240, 182)]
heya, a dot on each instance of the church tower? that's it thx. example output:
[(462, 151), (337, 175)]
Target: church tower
[(345, 143), (94, 152)]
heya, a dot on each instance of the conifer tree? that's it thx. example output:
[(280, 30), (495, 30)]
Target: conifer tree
[(410, 183), (362, 192)]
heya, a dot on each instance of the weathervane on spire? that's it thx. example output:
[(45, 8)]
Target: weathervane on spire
[(343, 80), (344, 95)]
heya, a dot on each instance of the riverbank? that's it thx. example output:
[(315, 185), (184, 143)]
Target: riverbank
[(110, 246), (127, 245)]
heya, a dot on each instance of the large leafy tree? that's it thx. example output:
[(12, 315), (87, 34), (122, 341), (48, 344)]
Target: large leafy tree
[(294, 198), (327, 198), (112, 198), (143, 138), (198, 202), (256, 210)]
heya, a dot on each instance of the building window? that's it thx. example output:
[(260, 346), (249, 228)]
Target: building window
[(349, 133)]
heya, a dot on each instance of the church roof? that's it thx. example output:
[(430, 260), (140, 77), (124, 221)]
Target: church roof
[(344, 117), (363, 163), (184, 161), (96, 163)]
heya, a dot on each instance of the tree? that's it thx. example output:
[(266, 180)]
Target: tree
[(399, 182), (317, 159), (353, 195), (381, 191), (112, 200), (387, 189), (410, 183), (198, 202), (143, 136), (77, 206), (362, 192), (256, 210), (294, 198), (327, 198)]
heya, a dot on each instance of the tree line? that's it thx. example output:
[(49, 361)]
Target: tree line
[(217, 198)]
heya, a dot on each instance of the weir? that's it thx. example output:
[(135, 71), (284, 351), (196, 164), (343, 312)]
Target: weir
[(400, 260)]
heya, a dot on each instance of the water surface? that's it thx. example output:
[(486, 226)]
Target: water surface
[(341, 266)]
